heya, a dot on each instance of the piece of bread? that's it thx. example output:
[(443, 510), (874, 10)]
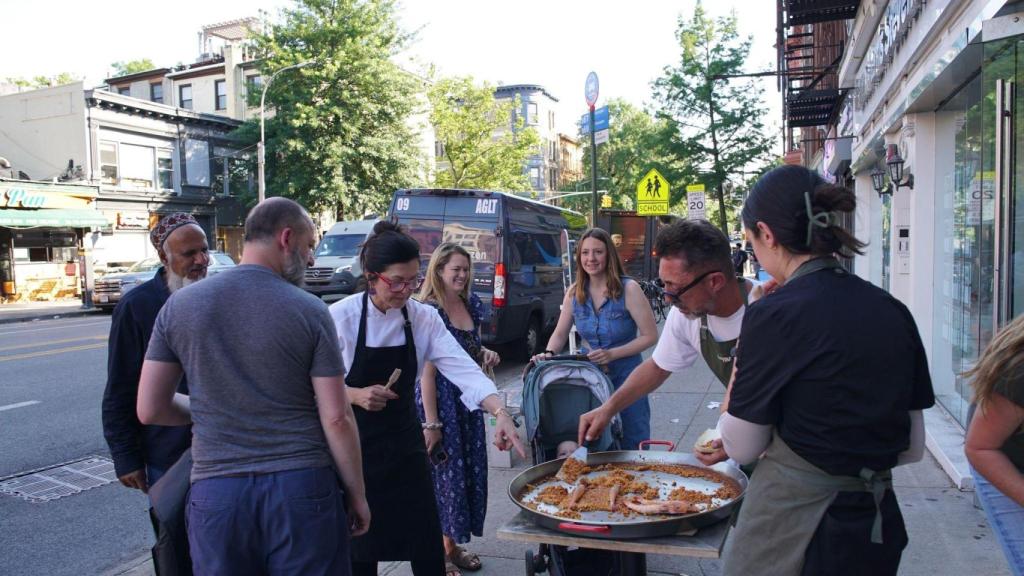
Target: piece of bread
[(703, 444)]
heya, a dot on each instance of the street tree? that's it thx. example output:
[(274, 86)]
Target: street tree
[(340, 138), (484, 143), (636, 143), (42, 81), (127, 67), (715, 125)]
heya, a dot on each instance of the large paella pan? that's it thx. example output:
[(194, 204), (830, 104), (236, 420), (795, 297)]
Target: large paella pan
[(630, 494)]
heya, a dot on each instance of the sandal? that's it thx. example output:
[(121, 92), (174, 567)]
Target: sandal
[(451, 569), (464, 559)]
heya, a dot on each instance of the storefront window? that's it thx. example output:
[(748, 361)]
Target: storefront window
[(966, 226), (42, 245), (958, 233), (886, 242)]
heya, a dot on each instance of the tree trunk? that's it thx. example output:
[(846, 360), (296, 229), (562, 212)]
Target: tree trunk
[(720, 192)]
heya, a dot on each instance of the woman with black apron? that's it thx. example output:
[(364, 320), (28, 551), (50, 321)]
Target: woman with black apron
[(385, 339), (831, 378)]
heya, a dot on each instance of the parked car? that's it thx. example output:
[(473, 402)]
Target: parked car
[(336, 270), (521, 251), (110, 288)]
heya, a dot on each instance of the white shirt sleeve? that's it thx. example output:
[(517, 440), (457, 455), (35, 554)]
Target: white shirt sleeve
[(743, 441), (916, 450), (444, 351), (675, 351)]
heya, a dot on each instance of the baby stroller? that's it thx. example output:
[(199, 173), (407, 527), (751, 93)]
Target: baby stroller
[(556, 392)]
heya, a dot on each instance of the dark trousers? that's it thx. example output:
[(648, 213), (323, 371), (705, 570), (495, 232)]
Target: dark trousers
[(290, 522), (842, 545), (153, 474)]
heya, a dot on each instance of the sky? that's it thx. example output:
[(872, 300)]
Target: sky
[(554, 43)]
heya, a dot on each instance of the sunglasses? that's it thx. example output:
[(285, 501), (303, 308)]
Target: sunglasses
[(674, 297), (396, 286)]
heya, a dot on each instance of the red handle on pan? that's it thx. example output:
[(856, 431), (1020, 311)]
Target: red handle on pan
[(574, 527), (645, 443)]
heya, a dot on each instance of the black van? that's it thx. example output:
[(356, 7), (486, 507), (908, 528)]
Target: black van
[(521, 252)]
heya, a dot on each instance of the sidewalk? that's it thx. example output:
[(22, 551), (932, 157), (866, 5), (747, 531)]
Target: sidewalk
[(28, 311), (948, 535)]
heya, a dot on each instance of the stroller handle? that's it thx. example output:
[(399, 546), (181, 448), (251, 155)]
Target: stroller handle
[(576, 357)]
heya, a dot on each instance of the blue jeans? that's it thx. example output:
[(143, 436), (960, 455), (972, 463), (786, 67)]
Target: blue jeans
[(1007, 520), (290, 522), (636, 418)]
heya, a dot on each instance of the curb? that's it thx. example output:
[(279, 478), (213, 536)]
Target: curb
[(48, 316)]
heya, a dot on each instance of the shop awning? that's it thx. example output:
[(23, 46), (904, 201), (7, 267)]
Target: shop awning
[(62, 218)]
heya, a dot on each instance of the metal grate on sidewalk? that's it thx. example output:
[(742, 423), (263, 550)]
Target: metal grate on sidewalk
[(46, 484)]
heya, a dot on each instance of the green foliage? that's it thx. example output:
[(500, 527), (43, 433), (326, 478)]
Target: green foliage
[(43, 81), (636, 144), (485, 145), (127, 67), (714, 127), (339, 138)]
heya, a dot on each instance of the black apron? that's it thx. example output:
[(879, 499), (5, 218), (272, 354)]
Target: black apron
[(399, 489), (720, 356)]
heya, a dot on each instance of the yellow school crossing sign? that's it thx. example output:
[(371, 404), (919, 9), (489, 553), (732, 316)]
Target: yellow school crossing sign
[(652, 194)]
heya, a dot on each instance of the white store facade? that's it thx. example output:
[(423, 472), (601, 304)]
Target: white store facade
[(938, 80)]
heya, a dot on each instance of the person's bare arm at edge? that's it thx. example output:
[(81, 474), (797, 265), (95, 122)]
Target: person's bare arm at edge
[(646, 378), (339, 424), (158, 401)]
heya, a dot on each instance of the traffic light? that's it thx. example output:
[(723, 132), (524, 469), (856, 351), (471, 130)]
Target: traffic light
[(606, 201)]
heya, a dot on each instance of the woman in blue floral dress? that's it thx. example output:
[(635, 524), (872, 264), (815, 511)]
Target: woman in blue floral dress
[(460, 482)]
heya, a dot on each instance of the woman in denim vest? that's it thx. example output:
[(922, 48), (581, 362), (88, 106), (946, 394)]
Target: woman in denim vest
[(613, 317)]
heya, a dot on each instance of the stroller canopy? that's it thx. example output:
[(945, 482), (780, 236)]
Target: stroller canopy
[(556, 393)]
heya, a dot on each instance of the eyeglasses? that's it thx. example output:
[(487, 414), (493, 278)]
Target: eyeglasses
[(400, 286), (674, 297)]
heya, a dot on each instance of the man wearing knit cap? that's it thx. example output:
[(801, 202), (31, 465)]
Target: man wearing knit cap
[(142, 454)]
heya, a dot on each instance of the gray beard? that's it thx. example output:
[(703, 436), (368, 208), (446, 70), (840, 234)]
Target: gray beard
[(175, 282), (294, 271)]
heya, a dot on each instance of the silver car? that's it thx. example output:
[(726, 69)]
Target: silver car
[(110, 288)]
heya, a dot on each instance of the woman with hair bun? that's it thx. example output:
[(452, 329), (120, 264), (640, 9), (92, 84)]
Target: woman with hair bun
[(831, 378), (386, 339)]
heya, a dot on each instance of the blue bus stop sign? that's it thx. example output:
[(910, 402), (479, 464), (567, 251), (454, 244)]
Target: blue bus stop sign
[(590, 91)]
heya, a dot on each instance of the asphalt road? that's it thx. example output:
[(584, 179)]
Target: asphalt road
[(52, 375)]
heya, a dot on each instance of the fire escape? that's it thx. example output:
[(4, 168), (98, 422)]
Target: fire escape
[(811, 38)]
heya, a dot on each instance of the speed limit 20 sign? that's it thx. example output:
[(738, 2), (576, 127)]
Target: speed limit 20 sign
[(695, 202)]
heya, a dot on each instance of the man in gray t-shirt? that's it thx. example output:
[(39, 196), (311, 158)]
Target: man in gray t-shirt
[(272, 427)]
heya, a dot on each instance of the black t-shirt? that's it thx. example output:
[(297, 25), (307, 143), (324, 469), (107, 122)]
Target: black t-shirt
[(835, 364), (1011, 385)]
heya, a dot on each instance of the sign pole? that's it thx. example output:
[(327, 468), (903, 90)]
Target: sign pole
[(590, 91), (593, 169)]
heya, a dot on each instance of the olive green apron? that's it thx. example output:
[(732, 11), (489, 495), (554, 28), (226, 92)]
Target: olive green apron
[(782, 508), (787, 498), (720, 356)]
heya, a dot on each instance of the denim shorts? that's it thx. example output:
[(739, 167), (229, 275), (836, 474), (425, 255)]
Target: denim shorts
[(1007, 520)]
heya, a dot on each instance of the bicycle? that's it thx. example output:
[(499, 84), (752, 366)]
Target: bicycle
[(655, 297)]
